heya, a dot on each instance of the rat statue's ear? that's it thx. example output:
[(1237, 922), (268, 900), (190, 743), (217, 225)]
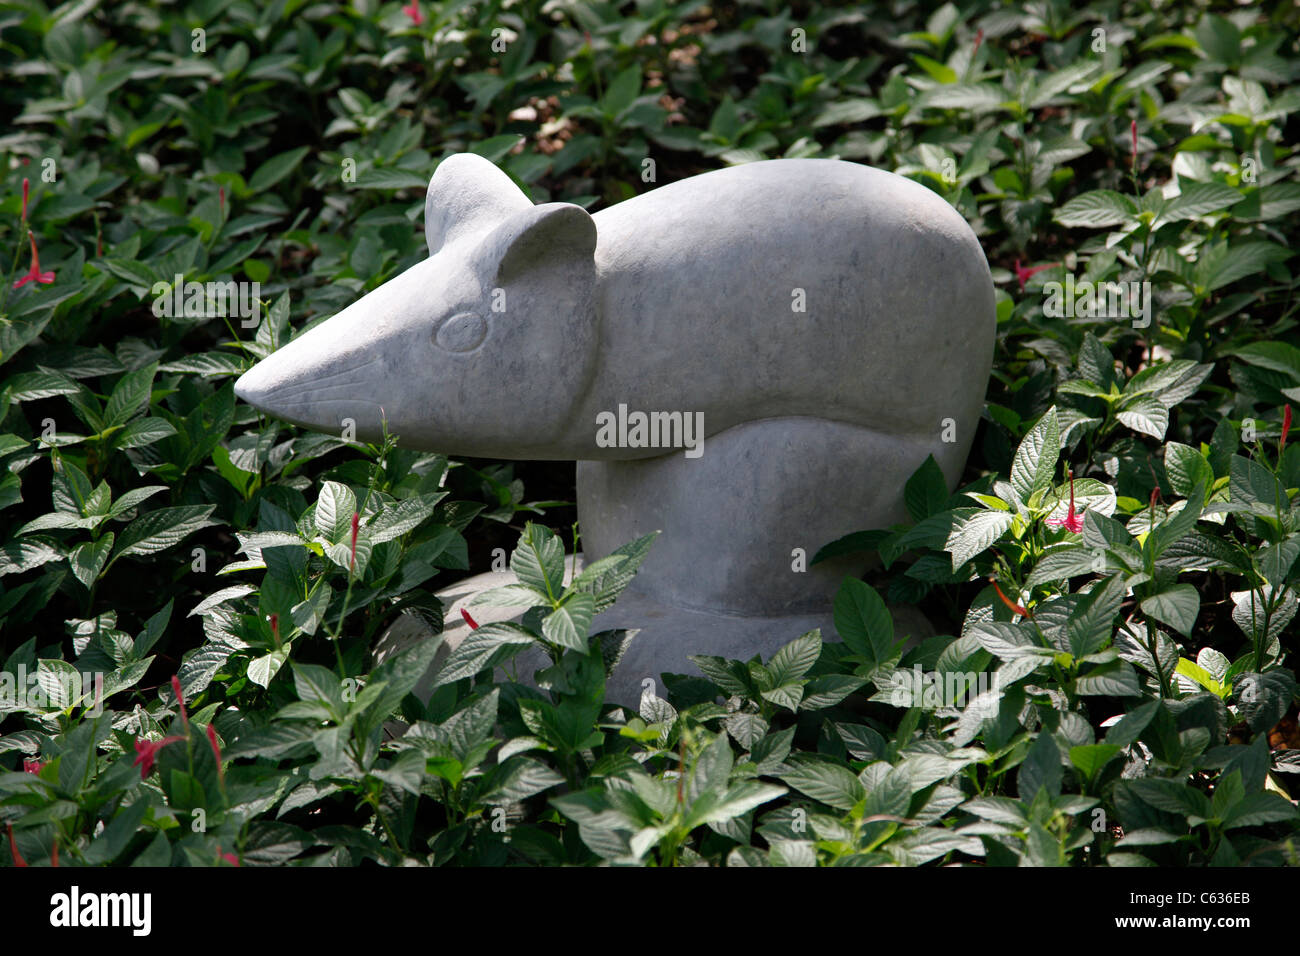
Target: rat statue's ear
[(554, 236), (468, 196)]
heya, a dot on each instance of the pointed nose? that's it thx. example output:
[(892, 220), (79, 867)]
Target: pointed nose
[(317, 382), (368, 363), (255, 385), (276, 384)]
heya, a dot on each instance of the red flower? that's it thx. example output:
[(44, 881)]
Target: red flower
[(412, 10), (1024, 275), (979, 38), (1070, 522), (32, 765), (180, 699), (473, 624), (13, 847), (221, 199), (356, 523), (1133, 132), (34, 274), (26, 186), (54, 857), (1286, 428), (146, 752), (1015, 608), (228, 857), (216, 749)]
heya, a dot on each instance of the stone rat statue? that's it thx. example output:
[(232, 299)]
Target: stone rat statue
[(752, 360)]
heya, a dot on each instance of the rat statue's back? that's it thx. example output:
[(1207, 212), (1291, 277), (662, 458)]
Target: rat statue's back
[(834, 323), (830, 325)]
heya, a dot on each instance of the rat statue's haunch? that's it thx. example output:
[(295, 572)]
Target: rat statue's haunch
[(827, 324)]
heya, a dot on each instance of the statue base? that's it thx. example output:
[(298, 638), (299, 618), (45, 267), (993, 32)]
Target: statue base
[(667, 636)]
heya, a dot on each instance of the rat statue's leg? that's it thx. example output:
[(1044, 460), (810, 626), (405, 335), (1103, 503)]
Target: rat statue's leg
[(736, 520)]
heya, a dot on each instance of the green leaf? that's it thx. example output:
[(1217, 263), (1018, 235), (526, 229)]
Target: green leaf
[(863, 622), (397, 676), (1116, 679), (314, 683), (1061, 563), (568, 625), (483, 649), (1129, 727), (130, 396), (88, 559), (1198, 199), (972, 97), (1260, 808), (1041, 769), (1090, 758), (403, 516), (1145, 415), (131, 271), (972, 535), (1224, 265), (926, 492), (1274, 356), (159, 530), (262, 669), (828, 690), (30, 386), (831, 783), (730, 676), (1179, 524), (1219, 38), (795, 659), (737, 800), (496, 148), (710, 770), (275, 169), (1197, 551), (611, 575), (1198, 674), (334, 510), (510, 595), (625, 88), (1096, 364), (1176, 606), (538, 561), (787, 695), (1097, 209), (1275, 560), (1254, 486), (1091, 625), (387, 177), (142, 432), (1264, 698), (518, 779), (1172, 797), (1035, 460), (1186, 468)]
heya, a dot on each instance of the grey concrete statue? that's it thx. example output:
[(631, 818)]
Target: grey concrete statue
[(752, 360)]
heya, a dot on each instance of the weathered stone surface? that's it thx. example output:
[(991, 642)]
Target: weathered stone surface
[(820, 326)]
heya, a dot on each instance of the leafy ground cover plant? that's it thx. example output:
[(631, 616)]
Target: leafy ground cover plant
[(190, 594)]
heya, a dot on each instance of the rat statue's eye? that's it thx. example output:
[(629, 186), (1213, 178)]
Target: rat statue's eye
[(462, 332)]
